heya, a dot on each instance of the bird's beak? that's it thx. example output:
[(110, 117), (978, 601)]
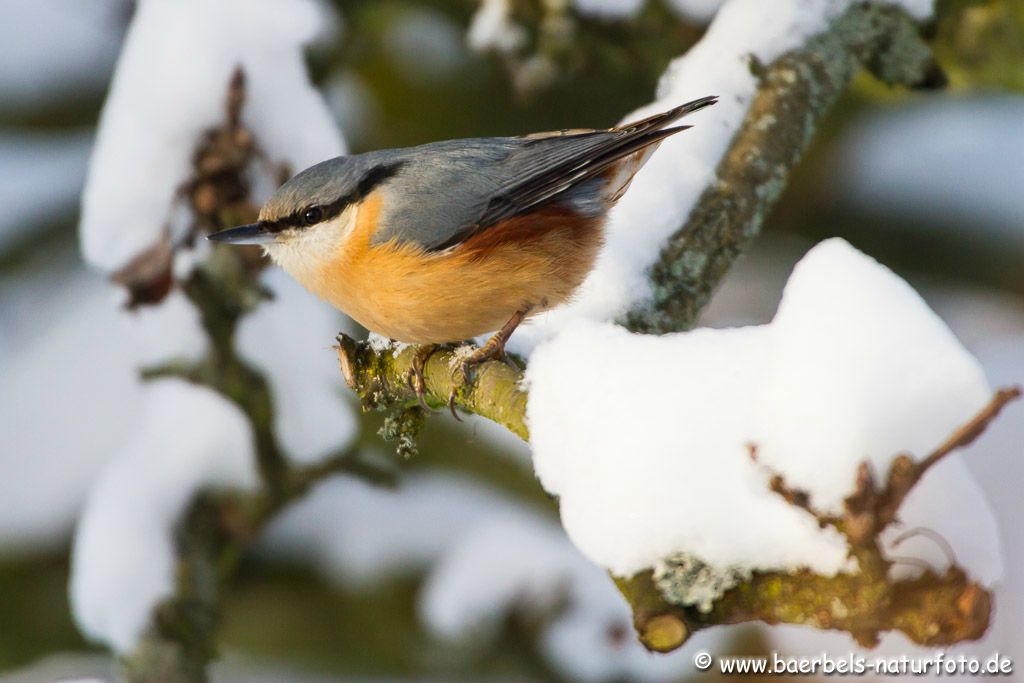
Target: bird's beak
[(243, 234)]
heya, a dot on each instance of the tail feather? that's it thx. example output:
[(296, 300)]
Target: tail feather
[(548, 165), (658, 121)]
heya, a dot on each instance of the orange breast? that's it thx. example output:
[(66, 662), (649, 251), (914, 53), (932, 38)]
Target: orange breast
[(403, 292)]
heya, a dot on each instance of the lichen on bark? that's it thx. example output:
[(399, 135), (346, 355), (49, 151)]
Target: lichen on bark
[(794, 94), (796, 91)]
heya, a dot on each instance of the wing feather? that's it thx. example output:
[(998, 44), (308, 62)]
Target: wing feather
[(544, 166)]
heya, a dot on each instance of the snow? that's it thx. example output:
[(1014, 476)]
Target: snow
[(854, 366), (289, 339), (514, 561), (357, 533), (700, 11), (666, 189), (123, 561), (69, 340), (42, 179), (949, 503), (147, 134), (858, 355), (171, 331), (492, 28), (518, 562), (55, 49), (185, 437), (913, 161), (609, 9)]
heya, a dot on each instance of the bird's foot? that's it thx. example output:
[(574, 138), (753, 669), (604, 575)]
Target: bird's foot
[(467, 358), (415, 379)]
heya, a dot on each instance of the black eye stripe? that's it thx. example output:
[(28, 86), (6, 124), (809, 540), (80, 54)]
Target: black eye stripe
[(367, 184)]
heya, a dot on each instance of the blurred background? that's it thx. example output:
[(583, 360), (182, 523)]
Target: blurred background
[(364, 583)]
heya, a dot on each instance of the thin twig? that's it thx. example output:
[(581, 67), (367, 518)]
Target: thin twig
[(904, 473)]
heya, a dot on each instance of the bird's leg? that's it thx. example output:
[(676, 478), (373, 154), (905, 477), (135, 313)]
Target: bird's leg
[(415, 379), (493, 348)]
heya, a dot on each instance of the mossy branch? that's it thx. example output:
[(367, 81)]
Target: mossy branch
[(380, 376), (795, 93), (932, 609)]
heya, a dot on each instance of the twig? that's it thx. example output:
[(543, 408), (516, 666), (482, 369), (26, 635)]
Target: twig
[(904, 473), (795, 497), (796, 92), (869, 510), (218, 526), (379, 377)]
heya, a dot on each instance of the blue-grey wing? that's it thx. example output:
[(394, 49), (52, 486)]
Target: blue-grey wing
[(447, 192)]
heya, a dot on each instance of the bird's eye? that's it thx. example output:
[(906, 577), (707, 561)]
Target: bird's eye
[(312, 215)]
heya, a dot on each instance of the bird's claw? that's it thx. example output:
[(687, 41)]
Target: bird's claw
[(468, 357), (415, 378), (508, 360), (451, 405)]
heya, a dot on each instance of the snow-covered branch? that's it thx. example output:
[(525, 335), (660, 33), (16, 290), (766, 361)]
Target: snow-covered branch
[(234, 428), (817, 553), (776, 88), (676, 404), (215, 527), (933, 608), (794, 93)]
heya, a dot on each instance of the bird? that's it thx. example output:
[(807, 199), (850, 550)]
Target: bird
[(450, 240)]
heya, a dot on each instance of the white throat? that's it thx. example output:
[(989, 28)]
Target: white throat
[(303, 252)]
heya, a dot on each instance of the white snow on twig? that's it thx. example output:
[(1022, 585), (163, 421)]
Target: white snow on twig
[(854, 367), (667, 188), (123, 562), (170, 85), (70, 389)]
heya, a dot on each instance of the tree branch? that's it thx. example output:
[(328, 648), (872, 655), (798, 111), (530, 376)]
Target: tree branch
[(380, 376), (217, 526), (795, 93), (931, 609)]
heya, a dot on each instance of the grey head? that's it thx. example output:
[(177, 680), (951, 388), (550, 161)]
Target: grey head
[(315, 196), (441, 188)]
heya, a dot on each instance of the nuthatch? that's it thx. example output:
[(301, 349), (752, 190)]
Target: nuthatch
[(450, 240)]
